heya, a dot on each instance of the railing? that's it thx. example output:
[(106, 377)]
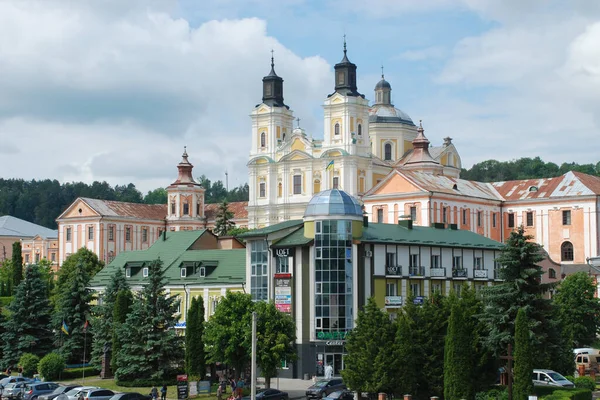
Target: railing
[(416, 270), (438, 272), (394, 270), (459, 272), (480, 273)]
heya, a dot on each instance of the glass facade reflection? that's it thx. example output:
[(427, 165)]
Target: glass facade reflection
[(333, 278), (258, 266)]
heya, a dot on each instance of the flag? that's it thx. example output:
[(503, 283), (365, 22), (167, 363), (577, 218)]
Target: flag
[(86, 326), (329, 166), (65, 328)]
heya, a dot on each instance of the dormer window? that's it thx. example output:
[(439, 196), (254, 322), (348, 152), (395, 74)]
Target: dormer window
[(533, 188), (145, 272), (127, 272), (202, 272), (183, 272)]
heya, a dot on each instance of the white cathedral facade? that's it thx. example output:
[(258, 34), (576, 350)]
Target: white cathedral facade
[(362, 143)]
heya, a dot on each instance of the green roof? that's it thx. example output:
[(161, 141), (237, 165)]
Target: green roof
[(224, 266), (295, 238), (428, 236), (271, 228)]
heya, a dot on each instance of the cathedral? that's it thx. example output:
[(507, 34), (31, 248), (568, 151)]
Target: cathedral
[(362, 143)]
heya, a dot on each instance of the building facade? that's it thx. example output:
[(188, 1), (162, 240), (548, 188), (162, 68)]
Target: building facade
[(37, 242), (110, 227), (323, 268)]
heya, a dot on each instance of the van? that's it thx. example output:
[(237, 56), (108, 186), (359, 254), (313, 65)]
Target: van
[(547, 377), (590, 361), (585, 350)]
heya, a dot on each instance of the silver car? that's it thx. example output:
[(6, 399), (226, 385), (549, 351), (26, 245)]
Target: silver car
[(73, 394), (14, 390), (58, 391), (35, 389), (96, 394)]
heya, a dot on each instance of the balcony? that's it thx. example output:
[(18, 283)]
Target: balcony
[(438, 272), (393, 270), (416, 271), (459, 273), (480, 273)]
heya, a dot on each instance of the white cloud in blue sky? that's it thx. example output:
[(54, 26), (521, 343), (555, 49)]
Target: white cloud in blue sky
[(112, 90)]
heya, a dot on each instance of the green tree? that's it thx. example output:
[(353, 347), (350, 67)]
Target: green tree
[(121, 308), (156, 196), (29, 362), (223, 219), (51, 366), (275, 338), (73, 308), (228, 332), (524, 362), (458, 362), (405, 355), (367, 363), (17, 264), (28, 328), (195, 359), (151, 348), (102, 322), (6, 278), (70, 268), (578, 308), (432, 332)]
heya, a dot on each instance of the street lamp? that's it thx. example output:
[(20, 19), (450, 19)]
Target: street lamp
[(253, 360)]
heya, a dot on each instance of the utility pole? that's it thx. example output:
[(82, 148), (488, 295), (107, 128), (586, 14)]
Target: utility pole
[(510, 359), (253, 362)]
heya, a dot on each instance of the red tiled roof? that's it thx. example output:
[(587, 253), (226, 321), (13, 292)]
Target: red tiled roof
[(592, 182), (110, 208), (570, 184), (238, 208)]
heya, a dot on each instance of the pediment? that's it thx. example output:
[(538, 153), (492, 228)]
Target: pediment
[(334, 153), (394, 183), (79, 208), (260, 160), (296, 155), (336, 98)]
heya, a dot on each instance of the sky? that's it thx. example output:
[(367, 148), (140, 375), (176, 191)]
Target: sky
[(113, 90)]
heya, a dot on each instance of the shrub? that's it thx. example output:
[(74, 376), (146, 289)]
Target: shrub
[(147, 382), (51, 366), (570, 394), (76, 373), (585, 382), (5, 301), (29, 363), (493, 394)]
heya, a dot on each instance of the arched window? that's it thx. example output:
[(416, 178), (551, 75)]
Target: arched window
[(263, 139), (566, 251), (359, 129), (387, 152), (337, 129), (316, 186), (552, 273), (283, 137), (279, 190)]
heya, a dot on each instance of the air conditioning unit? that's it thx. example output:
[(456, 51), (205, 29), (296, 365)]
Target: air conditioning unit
[(368, 253)]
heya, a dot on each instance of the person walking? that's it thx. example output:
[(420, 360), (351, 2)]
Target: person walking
[(163, 392), (239, 387), (154, 393), (220, 392)]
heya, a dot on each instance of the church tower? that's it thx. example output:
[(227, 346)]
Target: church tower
[(185, 199)]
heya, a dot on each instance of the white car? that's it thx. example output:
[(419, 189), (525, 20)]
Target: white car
[(73, 394)]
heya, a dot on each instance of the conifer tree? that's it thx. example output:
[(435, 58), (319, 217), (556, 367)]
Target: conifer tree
[(406, 364), (28, 328), (458, 363), (195, 362), (524, 362), (17, 264), (367, 364), (74, 309), (223, 219), (122, 306), (151, 348), (432, 333), (102, 328), (71, 266)]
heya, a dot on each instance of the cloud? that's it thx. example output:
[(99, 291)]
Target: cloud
[(433, 52)]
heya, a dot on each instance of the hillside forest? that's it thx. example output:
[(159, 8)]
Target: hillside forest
[(41, 201)]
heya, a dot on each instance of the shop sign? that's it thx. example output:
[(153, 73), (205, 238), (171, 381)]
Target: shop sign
[(418, 300), (282, 253), (334, 343), (337, 335), (393, 301), (283, 294), (182, 387), (394, 270)]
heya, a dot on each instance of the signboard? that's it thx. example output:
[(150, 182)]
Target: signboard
[(182, 387), (338, 335), (418, 300), (282, 252), (335, 343), (394, 270), (480, 273), (283, 294), (193, 388), (393, 301), (203, 387)]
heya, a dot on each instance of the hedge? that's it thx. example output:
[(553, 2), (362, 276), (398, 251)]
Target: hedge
[(75, 373), (500, 393), (585, 382), (148, 382), (570, 394)]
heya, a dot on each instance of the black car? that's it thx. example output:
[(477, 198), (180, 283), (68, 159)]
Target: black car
[(58, 391), (130, 396), (323, 387), (269, 394), (340, 395)]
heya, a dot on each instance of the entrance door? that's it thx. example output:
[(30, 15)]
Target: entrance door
[(336, 361)]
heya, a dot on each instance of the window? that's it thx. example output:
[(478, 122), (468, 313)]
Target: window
[(340, 78), (111, 233), (186, 208), (279, 189), (202, 272), (213, 306), (259, 255), (390, 259), (90, 233), (111, 256), (336, 181), (37, 258), (566, 251), (198, 213), (413, 214), (128, 234), (457, 288), (68, 234), (457, 262), (380, 215), (144, 235), (26, 259), (478, 263), (494, 220), (435, 261), (415, 289), (53, 257), (414, 260), (387, 152), (316, 186), (172, 208), (183, 272), (464, 216), (297, 184), (436, 288), (283, 265), (337, 129), (145, 272), (566, 214), (479, 218), (552, 273), (263, 139), (262, 191), (511, 220), (359, 129), (529, 218), (445, 215), (391, 289)]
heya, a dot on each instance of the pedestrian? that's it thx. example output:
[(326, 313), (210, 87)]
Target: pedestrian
[(328, 371), (163, 392), (239, 387), (232, 383), (154, 393), (220, 392)]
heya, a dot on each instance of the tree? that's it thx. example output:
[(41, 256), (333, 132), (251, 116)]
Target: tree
[(195, 359), (151, 348), (228, 332), (6, 278), (578, 308), (29, 363), (102, 321), (17, 264), (51, 366), (121, 308), (70, 268), (432, 332), (223, 219), (156, 196), (458, 363), (275, 338), (524, 362), (405, 355), (28, 328), (73, 309), (366, 366)]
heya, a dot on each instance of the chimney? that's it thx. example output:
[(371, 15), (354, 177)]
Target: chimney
[(365, 221)]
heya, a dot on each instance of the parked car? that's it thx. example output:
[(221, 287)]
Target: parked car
[(34, 389), (12, 379), (58, 391), (323, 387), (269, 394), (130, 396), (96, 394), (340, 395), (73, 394), (547, 377), (14, 390)]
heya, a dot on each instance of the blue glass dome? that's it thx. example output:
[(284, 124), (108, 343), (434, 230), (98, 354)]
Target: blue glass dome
[(333, 202)]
